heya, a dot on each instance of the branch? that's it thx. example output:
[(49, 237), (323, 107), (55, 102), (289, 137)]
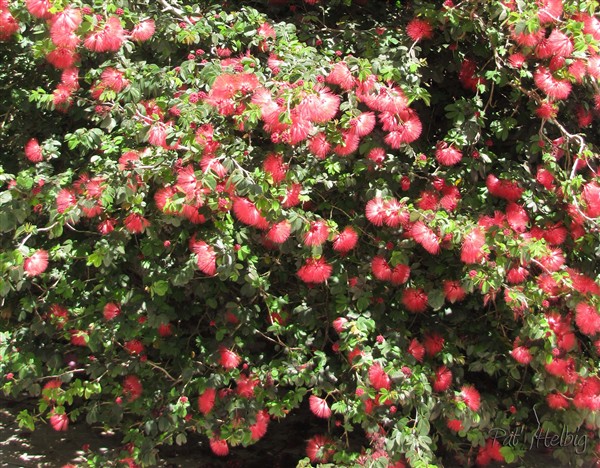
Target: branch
[(175, 9)]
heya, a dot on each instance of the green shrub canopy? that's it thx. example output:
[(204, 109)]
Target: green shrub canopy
[(212, 214)]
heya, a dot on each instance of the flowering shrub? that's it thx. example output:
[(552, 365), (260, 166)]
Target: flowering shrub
[(213, 214)]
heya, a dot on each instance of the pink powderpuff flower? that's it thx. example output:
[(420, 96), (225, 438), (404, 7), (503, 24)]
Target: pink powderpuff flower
[(339, 324), (453, 291), (549, 11), (587, 319), (65, 199), (378, 378), (279, 232), (79, 338), (206, 257), (442, 379), (381, 269), (320, 107), (517, 217), (433, 343), (400, 274), (33, 151), (59, 316), (8, 24), (157, 135), (246, 211), (292, 197), (472, 247), (134, 346), (165, 330), (349, 144), (503, 188), (415, 300), (418, 30), (447, 155), (228, 359), (259, 428), (143, 31), (558, 44), (315, 270), (471, 397), (416, 350), (517, 60), (340, 75), (59, 422), (111, 311), (396, 213), (36, 264), (319, 407), (591, 197), (407, 131), (377, 155), (132, 388), (363, 124), (455, 425), (39, 8), (274, 165), (345, 241), (557, 401), (107, 226), (135, 223), (62, 58), (552, 87), (425, 237), (375, 211), (517, 275), (219, 447), (319, 146), (317, 449), (114, 79), (317, 234), (206, 401), (70, 78), (108, 39)]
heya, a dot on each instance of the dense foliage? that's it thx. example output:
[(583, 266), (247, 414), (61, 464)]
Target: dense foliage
[(212, 214)]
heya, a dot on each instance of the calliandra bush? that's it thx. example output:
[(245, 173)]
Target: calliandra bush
[(215, 214)]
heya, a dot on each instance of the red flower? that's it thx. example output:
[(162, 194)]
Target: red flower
[(320, 107), (228, 359), (292, 197), (549, 12), (274, 165), (396, 213), (378, 377), (164, 330), (517, 275), (502, 188), (406, 131), (134, 347), (143, 31), (132, 388), (36, 264), (345, 241), (111, 311), (219, 447), (317, 449), (247, 213), (245, 386), (33, 152), (279, 232), (377, 155), (114, 79), (79, 338), (554, 89), (557, 401), (315, 270), (205, 256), (59, 422), (433, 343), (59, 315), (418, 29), (522, 355), (587, 319), (400, 274), (453, 291), (591, 196), (339, 324), (490, 452), (471, 251), (455, 425), (415, 300), (381, 269), (517, 217), (319, 407), (558, 44), (446, 154), (39, 8), (135, 223), (363, 124), (416, 349), (349, 144), (259, 428), (206, 401), (62, 58), (375, 211), (442, 380), (424, 236), (317, 233), (340, 75), (319, 146), (471, 397)]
